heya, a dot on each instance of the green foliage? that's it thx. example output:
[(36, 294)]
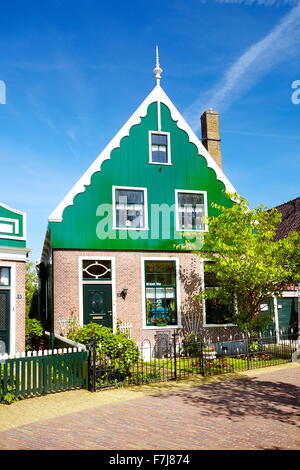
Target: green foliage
[(254, 347), (248, 265), (33, 333), (72, 326), (115, 353), (31, 290), (9, 398), (140, 377), (190, 344)]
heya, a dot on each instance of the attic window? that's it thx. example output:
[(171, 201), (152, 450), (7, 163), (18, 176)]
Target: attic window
[(159, 144)]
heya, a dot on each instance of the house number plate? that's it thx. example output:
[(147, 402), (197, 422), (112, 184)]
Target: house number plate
[(97, 318)]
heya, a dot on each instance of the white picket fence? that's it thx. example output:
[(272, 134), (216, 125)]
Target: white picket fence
[(125, 328), (45, 352), (32, 373)]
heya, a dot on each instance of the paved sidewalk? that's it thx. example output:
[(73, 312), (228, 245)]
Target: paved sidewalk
[(258, 410)]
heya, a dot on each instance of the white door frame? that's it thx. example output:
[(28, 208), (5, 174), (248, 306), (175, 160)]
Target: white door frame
[(112, 282)]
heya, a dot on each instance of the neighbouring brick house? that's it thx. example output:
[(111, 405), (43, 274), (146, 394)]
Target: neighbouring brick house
[(13, 256), (286, 307), (111, 250), (290, 218)]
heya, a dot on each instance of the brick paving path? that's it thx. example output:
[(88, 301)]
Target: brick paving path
[(258, 411)]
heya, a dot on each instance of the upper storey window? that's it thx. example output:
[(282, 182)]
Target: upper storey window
[(130, 208), (191, 210), (159, 144)]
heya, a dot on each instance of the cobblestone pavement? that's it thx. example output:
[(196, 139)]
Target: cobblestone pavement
[(259, 410)]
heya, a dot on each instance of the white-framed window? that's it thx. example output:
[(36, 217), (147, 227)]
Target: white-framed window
[(191, 208), (130, 208), (215, 314), (159, 148), (5, 276), (161, 292)]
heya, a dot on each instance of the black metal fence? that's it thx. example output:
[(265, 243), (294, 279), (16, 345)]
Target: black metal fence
[(177, 359)]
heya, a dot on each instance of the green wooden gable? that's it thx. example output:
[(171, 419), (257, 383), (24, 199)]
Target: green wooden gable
[(82, 222), (12, 227)]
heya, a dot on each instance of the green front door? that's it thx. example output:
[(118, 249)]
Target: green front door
[(4, 320), (288, 316), (97, 304), (267, 308)]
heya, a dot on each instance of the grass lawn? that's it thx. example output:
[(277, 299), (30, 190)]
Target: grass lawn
[(164, 369)]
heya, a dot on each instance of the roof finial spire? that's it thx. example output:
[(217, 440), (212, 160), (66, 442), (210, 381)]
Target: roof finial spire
[(158, 70)]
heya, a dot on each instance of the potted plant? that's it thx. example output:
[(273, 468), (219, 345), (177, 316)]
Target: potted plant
[(161, 321), (209, 352)]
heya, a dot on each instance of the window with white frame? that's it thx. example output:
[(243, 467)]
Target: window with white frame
[(191, 210), (130, 208), (215, 312), (159, 148), (160, 290), (4, 276), (96, 270)]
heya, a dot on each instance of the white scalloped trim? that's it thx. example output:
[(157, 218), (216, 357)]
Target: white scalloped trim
[(156, 95)]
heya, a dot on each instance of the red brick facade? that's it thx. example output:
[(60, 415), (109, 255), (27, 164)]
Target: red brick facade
[(128, 272), (17, 304), (20, 305)]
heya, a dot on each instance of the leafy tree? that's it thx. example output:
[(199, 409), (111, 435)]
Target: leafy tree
[(33, 329), (247, 264), (33, 334), (31, 290)]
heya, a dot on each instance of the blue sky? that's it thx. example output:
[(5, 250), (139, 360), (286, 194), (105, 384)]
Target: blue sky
[(76, 70)]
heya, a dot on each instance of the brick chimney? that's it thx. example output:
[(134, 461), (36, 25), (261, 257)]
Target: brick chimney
[(211, 134)]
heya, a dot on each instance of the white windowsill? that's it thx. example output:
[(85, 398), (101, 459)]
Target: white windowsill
[(168, 327), (190, 230), (130, 228), (160, 163)]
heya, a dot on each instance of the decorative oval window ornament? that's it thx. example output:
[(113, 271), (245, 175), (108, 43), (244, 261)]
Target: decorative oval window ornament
[(97, 270)]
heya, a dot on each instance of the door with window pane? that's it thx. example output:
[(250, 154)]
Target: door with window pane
[(4, 320), (288, 316), (97, 304)]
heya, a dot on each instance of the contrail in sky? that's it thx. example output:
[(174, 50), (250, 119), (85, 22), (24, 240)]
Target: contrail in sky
[(267, 3), (258, 59)]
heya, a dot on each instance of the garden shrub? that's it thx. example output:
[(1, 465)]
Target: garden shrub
[(191, 344), (254, 347), (33, 334), (115, 352), (145, 378)]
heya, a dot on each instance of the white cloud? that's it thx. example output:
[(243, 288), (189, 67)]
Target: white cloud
[(267, 3), (257, 60)]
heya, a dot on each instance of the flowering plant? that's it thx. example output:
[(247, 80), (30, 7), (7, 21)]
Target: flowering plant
[(161, 319)]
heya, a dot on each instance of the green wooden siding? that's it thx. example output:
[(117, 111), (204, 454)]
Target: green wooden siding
[(129, 166), (6, 213), (288, 313)]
